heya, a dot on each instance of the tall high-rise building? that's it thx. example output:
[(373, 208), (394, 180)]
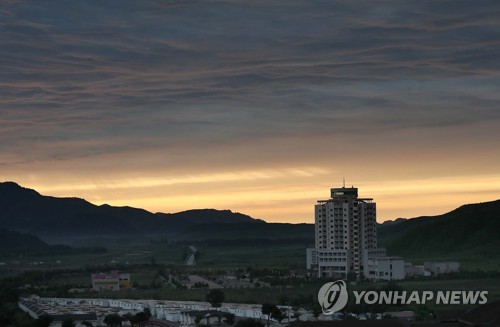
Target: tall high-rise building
[(345, 235)]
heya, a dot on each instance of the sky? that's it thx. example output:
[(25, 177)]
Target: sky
[(255, 106)]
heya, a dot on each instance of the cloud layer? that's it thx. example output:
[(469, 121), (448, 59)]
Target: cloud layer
[(100, 90)]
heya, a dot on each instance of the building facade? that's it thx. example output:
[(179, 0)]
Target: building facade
[(345, 236), (114, 281), (385, 268), (442, 267)]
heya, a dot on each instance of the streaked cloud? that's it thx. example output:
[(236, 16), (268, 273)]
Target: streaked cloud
[(239, 176), (161, 94)]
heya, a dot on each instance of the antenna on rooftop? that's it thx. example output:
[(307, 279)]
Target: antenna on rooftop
[(344, 183)]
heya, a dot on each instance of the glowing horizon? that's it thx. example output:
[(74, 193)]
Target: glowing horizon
[(295, 204)]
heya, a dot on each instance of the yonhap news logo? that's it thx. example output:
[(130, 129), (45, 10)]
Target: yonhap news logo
[(333, 297)]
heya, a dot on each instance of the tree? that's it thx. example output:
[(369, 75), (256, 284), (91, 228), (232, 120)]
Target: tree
[(215, 298), (230, 319), (198, 318), (268, 309), (277, 314), (141, 316), (128, 317), (316, 310), (68, 323), (113, 320)]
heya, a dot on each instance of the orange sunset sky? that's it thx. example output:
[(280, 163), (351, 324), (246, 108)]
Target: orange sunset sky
[(259, 107)]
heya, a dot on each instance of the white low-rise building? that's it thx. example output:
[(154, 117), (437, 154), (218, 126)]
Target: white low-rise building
[(173, 311), (432, 268), (385, 268), (35, 309), (416, 271), (442, 267)]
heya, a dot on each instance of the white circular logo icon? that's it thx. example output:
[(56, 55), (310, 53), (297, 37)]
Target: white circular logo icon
[(333, 297)]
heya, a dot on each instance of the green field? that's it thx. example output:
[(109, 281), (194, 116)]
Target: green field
[(287, 256), (145, 261), (218, 257)]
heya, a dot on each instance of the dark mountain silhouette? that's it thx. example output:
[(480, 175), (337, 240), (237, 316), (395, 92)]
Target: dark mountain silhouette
[(471, 229), (393, 222), (57, 219), (15, 243), (274, 231)]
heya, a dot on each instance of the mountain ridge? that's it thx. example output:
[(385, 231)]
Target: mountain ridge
[(25, 210), (467, 231)]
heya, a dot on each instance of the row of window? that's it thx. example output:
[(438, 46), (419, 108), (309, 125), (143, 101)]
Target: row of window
[(334, 268), (337, 229), (339, 242), (332, 259), (339, 254)]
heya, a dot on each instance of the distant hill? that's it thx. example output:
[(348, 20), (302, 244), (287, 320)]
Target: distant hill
[(13, 244), (60, 219), (393, 222), (244, 234), (18, 243), (470, 230)]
